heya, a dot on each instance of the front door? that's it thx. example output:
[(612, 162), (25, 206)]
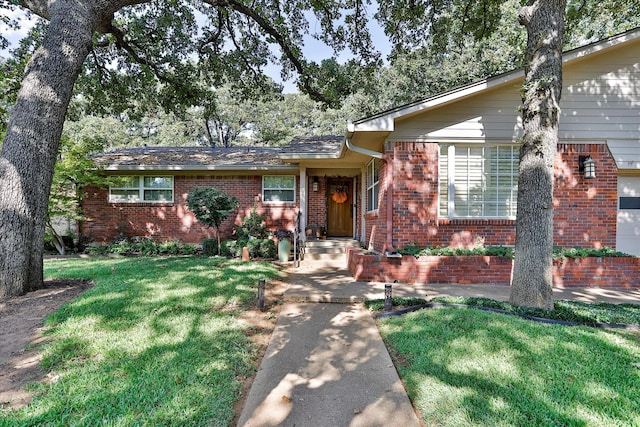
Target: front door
[(339, 211)]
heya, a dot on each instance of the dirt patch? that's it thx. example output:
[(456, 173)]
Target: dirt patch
[(20, 328)]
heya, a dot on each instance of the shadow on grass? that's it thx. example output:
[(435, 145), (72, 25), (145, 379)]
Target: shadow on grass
[(155, 342), (465, 367)]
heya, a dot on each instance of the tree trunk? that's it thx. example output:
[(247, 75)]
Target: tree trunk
[(31, 143), (533, 265)]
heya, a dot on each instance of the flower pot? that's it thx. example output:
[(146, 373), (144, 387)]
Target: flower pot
[(284, 249)]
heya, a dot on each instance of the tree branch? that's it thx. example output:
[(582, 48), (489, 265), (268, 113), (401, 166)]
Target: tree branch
[(305, 79), (121, 43)]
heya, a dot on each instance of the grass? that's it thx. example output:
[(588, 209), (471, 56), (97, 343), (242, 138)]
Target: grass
[(471, 367), (564, 310), (156, 341)]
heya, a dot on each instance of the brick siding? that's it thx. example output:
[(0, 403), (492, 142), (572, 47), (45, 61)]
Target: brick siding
[(585, 209), (168, 221)]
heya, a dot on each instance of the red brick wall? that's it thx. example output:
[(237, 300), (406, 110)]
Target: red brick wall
[(168, 221), (596, 272), (317, 202), (585, 209)]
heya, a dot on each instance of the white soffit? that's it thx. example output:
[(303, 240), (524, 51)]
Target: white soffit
[(626, 153)]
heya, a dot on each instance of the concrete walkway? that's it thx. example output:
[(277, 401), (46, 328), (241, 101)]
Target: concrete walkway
[(326, 364)]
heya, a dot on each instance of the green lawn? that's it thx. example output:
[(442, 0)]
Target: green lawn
[(157, 341), (466, 367)]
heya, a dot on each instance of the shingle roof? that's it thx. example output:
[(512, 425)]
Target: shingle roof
[(250, 157), (190, 156), (313, 145)]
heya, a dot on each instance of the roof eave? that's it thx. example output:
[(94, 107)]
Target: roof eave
[(192, 168), (307, 156)]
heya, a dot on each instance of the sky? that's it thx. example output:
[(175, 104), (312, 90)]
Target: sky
[(314, 50)]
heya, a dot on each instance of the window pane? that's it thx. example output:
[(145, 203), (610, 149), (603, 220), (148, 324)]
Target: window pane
[(279, 195), (128, 182), (124, 196), (484, 181), (158, 182), (275, 182), (158, 195)]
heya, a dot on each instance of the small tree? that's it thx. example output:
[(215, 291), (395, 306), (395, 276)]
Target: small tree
[(73, 171), (211, 206)]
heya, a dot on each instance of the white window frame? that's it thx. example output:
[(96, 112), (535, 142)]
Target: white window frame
[(483, 181), (141, 189), (266, 188), (373, 185)]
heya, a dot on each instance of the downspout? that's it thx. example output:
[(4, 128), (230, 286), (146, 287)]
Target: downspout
[(388, 183)]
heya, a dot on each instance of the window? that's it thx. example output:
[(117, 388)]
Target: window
[(135, 189), (279, 188), (373, 185), (478, 181)]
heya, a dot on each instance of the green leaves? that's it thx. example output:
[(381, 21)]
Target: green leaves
[(210, 205)]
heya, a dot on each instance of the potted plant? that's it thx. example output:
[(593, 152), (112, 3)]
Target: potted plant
[(284, 243), (315, 231)]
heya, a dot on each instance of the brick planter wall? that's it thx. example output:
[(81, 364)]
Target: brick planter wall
[(583, 272)]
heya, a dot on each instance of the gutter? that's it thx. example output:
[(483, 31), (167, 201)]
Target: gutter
[(390, 252)]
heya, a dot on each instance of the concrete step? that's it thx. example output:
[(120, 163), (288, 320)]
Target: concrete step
[(320, 262), (342, 243), (328, 250), (324, 256)]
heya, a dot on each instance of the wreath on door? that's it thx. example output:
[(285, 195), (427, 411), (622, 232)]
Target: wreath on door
[(340, 195)]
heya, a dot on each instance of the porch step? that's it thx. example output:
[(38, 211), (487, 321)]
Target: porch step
[(327, 253)]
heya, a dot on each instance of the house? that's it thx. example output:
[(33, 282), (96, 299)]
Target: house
[(439, 171)]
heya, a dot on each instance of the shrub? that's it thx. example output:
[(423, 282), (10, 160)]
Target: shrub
[(143, 246), (268, 249), (210, 247), (171, 247), (232, 248), (254, 247), (253, 225)]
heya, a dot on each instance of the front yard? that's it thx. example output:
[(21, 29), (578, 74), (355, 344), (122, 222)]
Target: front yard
[(156, 341), (166, 341)]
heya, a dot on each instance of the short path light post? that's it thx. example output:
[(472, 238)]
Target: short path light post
[(387, 297), (260, 303)]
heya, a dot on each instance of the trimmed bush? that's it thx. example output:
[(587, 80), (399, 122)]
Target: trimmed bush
[(228, 248), (268, 249), (254, 247), (210, 247)]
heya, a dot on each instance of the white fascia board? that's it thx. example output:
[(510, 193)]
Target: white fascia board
[(583, 51), (309, 156), (191, 168)]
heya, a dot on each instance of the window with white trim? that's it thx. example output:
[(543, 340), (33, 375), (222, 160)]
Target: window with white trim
[(148, 189), (478, 181), (373, 184), (279, 188)]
